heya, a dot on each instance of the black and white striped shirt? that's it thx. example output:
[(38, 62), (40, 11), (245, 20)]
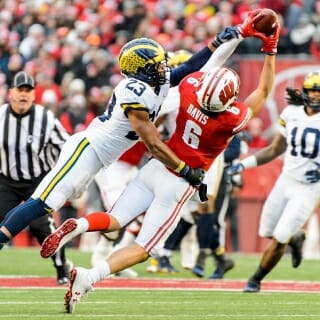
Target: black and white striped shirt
[(29, 144)]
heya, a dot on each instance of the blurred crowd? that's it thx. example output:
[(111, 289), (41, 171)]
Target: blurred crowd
[(71, 47)]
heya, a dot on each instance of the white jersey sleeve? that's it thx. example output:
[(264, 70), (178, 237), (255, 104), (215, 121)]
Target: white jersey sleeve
[(111, 134)]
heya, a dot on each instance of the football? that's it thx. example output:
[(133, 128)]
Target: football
[(266, 22)]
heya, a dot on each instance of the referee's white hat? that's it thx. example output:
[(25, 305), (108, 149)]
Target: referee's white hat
[(22, 79)]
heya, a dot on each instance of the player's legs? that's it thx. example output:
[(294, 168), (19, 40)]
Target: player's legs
[(145, 191), (222, 261), (270, 216), (74, 170), (163, 214), (41, 228), (302, 199), (111, 182)]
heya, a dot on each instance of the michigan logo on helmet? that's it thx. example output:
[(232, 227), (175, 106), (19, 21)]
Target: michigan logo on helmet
[(178, 57), (140, 59), (218, 89), (311, 82)]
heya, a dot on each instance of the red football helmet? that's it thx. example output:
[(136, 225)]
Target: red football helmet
[(218, 89)]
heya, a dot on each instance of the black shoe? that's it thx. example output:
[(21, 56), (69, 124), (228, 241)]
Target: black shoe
[(164, 265), (296, 244), (63, 272), (198, 270), (223, 267), (252, 286), (62, 276)]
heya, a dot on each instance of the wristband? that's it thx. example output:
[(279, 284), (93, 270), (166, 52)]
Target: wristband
[(180, 167), (249, 162)]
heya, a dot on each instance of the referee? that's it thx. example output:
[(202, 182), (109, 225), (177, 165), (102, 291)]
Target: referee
[(30, 142)]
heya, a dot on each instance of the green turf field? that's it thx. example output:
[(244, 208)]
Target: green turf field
[(17, 303)]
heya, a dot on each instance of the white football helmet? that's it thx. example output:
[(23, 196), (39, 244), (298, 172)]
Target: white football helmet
[(218, 89)]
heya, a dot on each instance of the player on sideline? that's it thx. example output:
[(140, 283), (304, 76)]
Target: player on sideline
[(295, 194), (208, 117), (134, 106)]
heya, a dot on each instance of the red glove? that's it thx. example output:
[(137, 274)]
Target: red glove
[(246, 29), (270, 43)]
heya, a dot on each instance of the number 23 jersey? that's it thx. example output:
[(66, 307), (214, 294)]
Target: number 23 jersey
[(111, 134), (198, 138)]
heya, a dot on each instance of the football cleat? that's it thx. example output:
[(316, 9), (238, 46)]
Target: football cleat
[(252, 286), (296, 244), (79, 287), (164, 265), (154, 266), (198, 270), (223, 267), (66, 232)]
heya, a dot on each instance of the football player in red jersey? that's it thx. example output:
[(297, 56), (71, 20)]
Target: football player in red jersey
[(209, 116)]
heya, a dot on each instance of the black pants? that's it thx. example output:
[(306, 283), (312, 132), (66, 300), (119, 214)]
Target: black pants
[(12, 193)]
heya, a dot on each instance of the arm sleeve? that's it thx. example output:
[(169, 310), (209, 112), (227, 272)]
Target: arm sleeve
[(195, 63), (233, 150), (221, 54)]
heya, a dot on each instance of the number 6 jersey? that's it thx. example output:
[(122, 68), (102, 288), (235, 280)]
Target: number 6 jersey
[(199, 138)]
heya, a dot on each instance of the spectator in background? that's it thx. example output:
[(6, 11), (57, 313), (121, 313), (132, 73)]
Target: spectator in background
[(69, 61), (32, 42), (97, 100), (50, 101), (301, 35), (15, 64), (45, 78), (255, 131), (76, 117)]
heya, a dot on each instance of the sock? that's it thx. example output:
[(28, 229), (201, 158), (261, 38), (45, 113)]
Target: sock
[(259, 274), (21, 216), (204, 230), (98, 221), (99, 272), (3, 239), (174, 240)]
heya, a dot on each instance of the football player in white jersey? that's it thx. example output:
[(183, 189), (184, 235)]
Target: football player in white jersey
[(296, 191), (208, 117), (134, 106)]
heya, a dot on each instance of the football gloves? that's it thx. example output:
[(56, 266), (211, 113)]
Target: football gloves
[(202, 190), (194, 176), (225, 35), (235, 169), (246, 29), (270, 44)]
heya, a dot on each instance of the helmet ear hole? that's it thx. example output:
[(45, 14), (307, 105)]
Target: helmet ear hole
[(218, 89), (140, 58)]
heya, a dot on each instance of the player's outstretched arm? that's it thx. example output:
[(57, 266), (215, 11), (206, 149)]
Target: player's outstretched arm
[(257, 98), (226, 41), (277, 147)]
